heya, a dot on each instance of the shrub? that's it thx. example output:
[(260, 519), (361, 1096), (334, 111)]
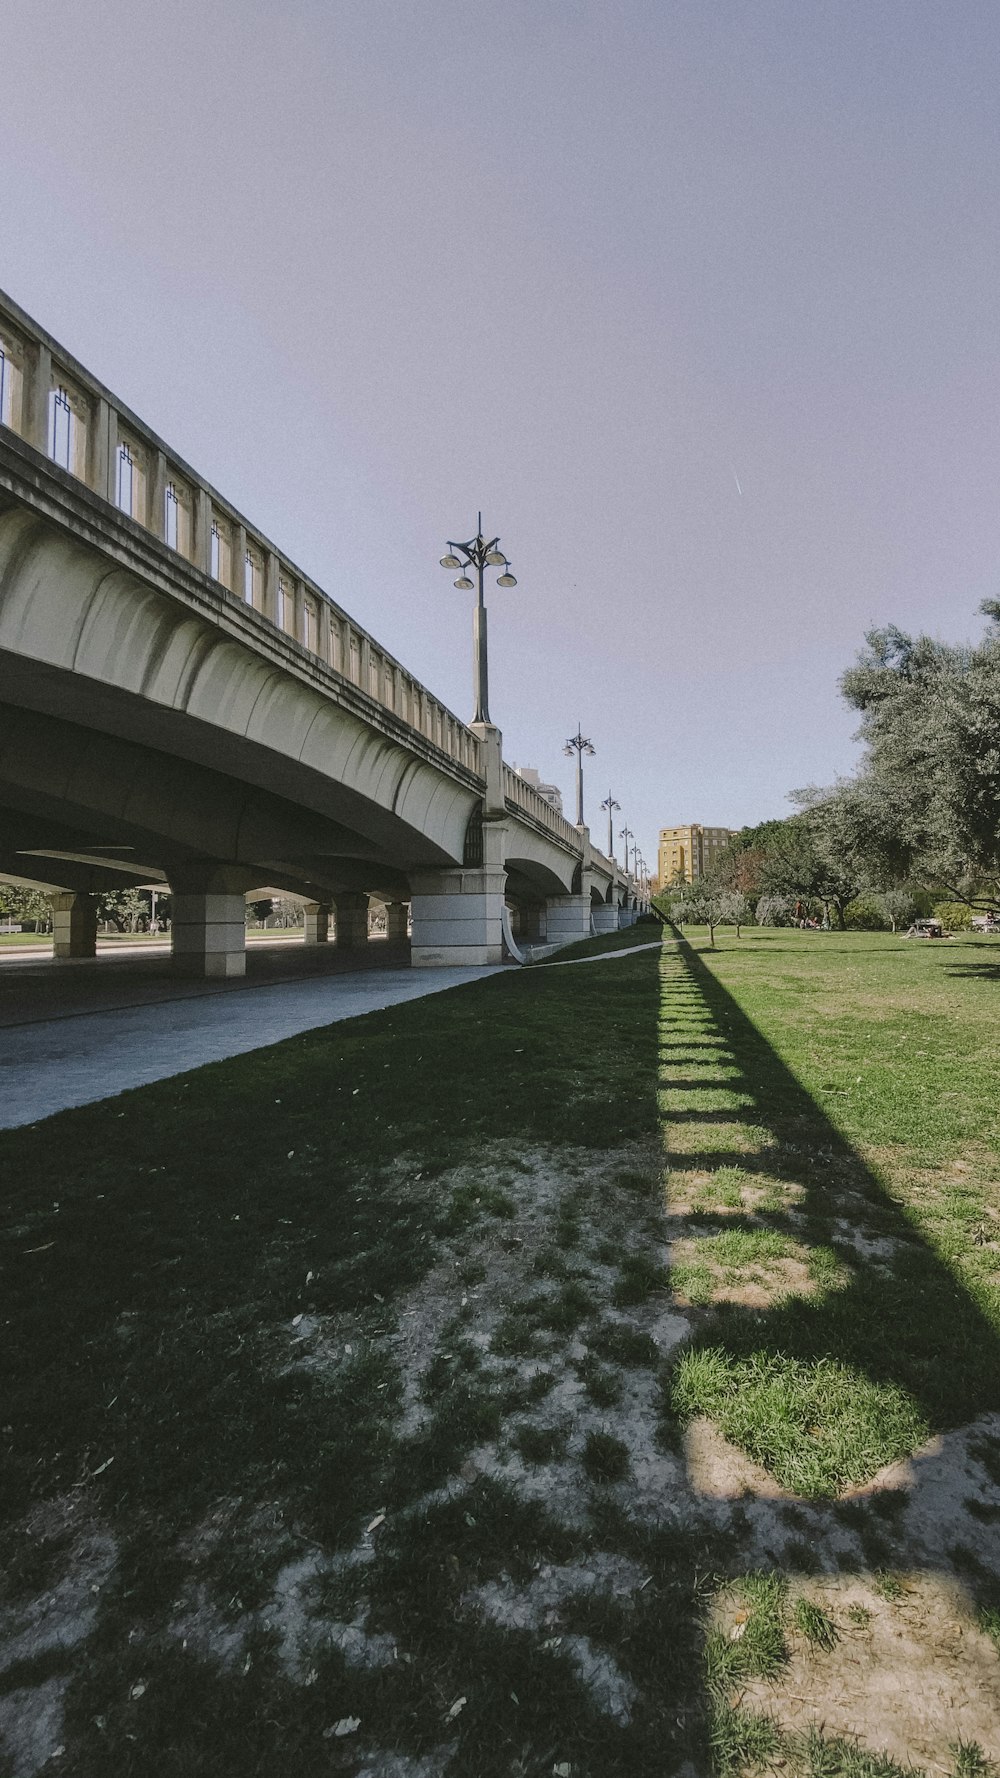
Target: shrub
[(865, 914), (954, 915), (774, 910)]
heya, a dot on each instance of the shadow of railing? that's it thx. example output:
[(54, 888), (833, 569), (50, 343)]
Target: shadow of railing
[(911, 1323), (874, 1297)]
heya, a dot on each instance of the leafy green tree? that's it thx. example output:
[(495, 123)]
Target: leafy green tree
[(126, 909), (700, 906), (925, 805), (734, 909), (24, 905), (898, 906), (774, 910)]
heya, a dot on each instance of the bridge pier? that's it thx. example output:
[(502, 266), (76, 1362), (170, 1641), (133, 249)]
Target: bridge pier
[(457, 917), (317, 922), (208, 933), (352, 921), (74, 926), (530, 921), (605, 917), (396, 916), (567, 919)]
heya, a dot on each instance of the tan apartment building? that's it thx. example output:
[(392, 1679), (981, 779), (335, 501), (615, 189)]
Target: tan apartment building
[(685, 853)]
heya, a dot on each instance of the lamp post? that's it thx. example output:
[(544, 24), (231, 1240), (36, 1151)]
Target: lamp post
[(626, 834), (579, 745), (480, 555), (610, 805)]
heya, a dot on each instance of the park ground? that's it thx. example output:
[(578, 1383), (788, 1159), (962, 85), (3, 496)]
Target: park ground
[(591, 1371)]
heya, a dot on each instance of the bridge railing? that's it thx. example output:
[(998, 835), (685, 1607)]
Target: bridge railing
[(51, 401), (523, 796)]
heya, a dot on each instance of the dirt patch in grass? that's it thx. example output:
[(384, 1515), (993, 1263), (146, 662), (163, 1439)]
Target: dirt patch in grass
[(906, 1677), (718, 1470), (61, 1559), (754, 1273), (729, 1191)]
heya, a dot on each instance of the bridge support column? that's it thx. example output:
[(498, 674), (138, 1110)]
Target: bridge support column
[(352, 921), (317, 917), (567, 919), (208, 933), (457, 917), (74, 926), (605, 917), (396, 915), (530, 923)]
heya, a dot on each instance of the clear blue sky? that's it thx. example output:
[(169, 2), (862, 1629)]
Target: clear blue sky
[(697, 299)]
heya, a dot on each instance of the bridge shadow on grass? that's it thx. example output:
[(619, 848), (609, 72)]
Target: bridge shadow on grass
[(291, 1432), (839, 1395), (341, 1385)]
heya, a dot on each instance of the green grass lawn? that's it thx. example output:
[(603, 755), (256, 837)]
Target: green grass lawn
[(627, 939), (347, 1408)]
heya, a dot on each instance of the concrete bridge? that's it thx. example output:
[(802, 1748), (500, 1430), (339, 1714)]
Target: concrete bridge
[(181, 705)]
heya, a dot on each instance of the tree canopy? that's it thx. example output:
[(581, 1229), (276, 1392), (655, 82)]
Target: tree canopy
[(925, 804)]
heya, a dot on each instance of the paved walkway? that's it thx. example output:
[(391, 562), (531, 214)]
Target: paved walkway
[(50, 1063)]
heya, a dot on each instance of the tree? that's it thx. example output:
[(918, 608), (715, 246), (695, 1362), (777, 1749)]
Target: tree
[(898, 906), (124, 909), (742, 864), (925, 805), (735, 909), (774, 910), (823, 864), (22, 905), (701, 906)]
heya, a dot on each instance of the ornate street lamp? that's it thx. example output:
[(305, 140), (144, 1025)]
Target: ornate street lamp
[(610, 805), (480, 555), (579, 745), (626, 834)]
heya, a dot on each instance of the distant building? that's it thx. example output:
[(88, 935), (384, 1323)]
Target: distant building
[(685, 853), (551, 792)]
